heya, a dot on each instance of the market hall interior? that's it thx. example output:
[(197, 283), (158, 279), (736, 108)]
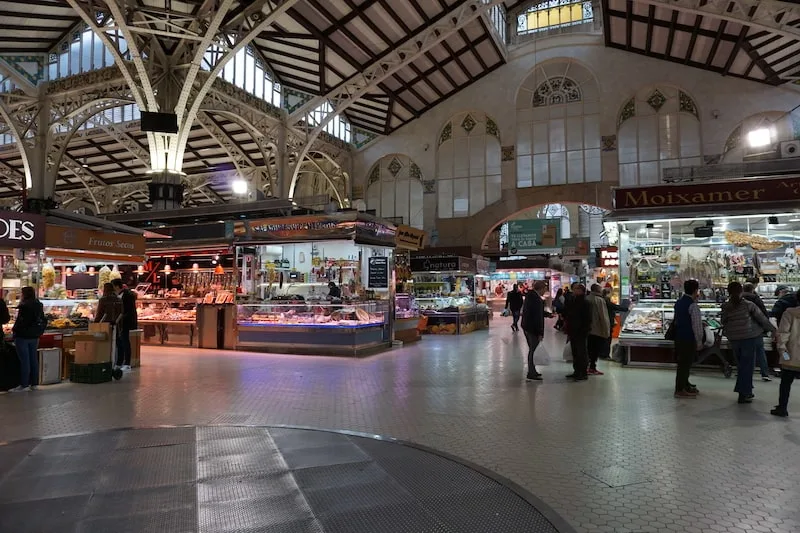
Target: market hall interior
[(370, 178)]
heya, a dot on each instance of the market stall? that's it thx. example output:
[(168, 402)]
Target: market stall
[(317, 284), (710, 235), (445, 290), (67, 258), (407, 315)]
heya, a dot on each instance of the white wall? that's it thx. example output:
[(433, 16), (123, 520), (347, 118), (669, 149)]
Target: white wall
[(619, 75)]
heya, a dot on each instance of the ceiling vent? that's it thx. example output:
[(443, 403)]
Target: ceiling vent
[(790, 149)]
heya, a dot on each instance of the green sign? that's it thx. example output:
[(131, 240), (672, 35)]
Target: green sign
[(534, 236)]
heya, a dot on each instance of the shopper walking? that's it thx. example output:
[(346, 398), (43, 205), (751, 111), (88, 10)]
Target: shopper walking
[(126, 322), (786, 300), (558, 307), (761, 356), (29, 325), (514, 302), (533, 315), (578, 316), (688, 337), (742, 324), (789, 355), (599, 328)]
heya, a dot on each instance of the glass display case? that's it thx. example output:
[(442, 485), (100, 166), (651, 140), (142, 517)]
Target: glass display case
[(314, 328), (407, 318), (453, 315), (644, 326), (62, 315), (168, 321)]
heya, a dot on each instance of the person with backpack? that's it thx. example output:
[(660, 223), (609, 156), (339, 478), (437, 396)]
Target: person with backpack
[(28, 327)]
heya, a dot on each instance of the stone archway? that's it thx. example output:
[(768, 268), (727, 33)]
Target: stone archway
[(471, 231)]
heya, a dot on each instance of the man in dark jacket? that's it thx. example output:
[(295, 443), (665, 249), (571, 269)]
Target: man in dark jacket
[(577, 315), (514, 305), (786, 300), (533, 315), (761, 355), (688, 337), (127, 321)]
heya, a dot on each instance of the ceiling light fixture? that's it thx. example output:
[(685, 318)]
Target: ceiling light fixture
[(239, 187), (759, 138)]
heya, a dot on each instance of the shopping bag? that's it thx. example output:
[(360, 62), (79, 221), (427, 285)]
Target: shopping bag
[(505, 312), (540, 356), (567, 353)]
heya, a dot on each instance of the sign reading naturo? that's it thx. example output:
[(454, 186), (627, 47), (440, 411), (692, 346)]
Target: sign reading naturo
[(756, 190)]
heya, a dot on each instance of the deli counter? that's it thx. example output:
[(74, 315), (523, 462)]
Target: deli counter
[(315, 328), (453, 315), (644, 327), (168, 321)]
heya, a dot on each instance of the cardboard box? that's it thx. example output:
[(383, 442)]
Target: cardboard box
[(92, 347), (49, 365), (136, 347)]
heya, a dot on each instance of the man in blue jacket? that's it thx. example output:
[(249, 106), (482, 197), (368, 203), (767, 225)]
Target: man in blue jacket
[(688, 337)]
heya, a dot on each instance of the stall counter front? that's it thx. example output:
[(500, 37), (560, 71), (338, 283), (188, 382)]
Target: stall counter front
[(307, 328)]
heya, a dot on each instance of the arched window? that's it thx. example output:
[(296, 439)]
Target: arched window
[(557, 211), (395, 190), (658, 128), (769, 128), (468, 169), (558, 131)]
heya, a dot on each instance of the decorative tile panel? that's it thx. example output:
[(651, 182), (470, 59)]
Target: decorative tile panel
[(657, 100), (492, 129), (447, 133), (468, 123), (556, 91), (686, 104), (608, 143), (394, 167), (628, 111), (31, 68), (375, 175), (429, 186), (294, 99), (733, 139), (361, 138), (508, 153), (414, 172)]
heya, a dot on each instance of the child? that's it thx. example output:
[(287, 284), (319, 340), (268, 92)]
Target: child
[(789, 356)]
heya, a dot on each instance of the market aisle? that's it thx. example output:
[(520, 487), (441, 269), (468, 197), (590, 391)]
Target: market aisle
[(614, 454)]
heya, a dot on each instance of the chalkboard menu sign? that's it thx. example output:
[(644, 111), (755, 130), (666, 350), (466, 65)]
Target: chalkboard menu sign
[(378, 273)]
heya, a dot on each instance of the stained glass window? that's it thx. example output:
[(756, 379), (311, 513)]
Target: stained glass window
[(554, 14)]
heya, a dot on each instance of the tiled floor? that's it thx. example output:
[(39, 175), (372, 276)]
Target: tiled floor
[(615, 454)]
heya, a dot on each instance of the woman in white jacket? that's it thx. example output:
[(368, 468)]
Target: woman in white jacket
[(789, 355)]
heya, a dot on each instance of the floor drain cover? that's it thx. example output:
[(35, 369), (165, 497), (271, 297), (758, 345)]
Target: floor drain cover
[(616, 476)]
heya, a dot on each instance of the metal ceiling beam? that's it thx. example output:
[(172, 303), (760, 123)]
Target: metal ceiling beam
[(393, 61), (776, 17)]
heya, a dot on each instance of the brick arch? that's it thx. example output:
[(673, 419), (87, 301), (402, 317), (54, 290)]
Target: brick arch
[(472, 231)]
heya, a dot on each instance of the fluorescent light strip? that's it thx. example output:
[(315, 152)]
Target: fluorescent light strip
[(728, 217)]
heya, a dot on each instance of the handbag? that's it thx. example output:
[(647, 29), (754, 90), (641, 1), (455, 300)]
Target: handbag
[(670, 334)]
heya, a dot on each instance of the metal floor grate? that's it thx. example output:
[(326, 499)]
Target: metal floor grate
[(220, 479)]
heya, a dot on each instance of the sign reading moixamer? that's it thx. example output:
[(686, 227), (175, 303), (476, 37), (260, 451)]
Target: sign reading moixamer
[(21, 230), (714, 193)]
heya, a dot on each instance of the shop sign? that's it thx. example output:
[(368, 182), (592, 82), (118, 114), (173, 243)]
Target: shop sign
[(712, 193), (378, 273), (608, 257), (312, 228), (408, 237), (528, 237), (443, 264), (21, 230), (67, 238), (575, 247)]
